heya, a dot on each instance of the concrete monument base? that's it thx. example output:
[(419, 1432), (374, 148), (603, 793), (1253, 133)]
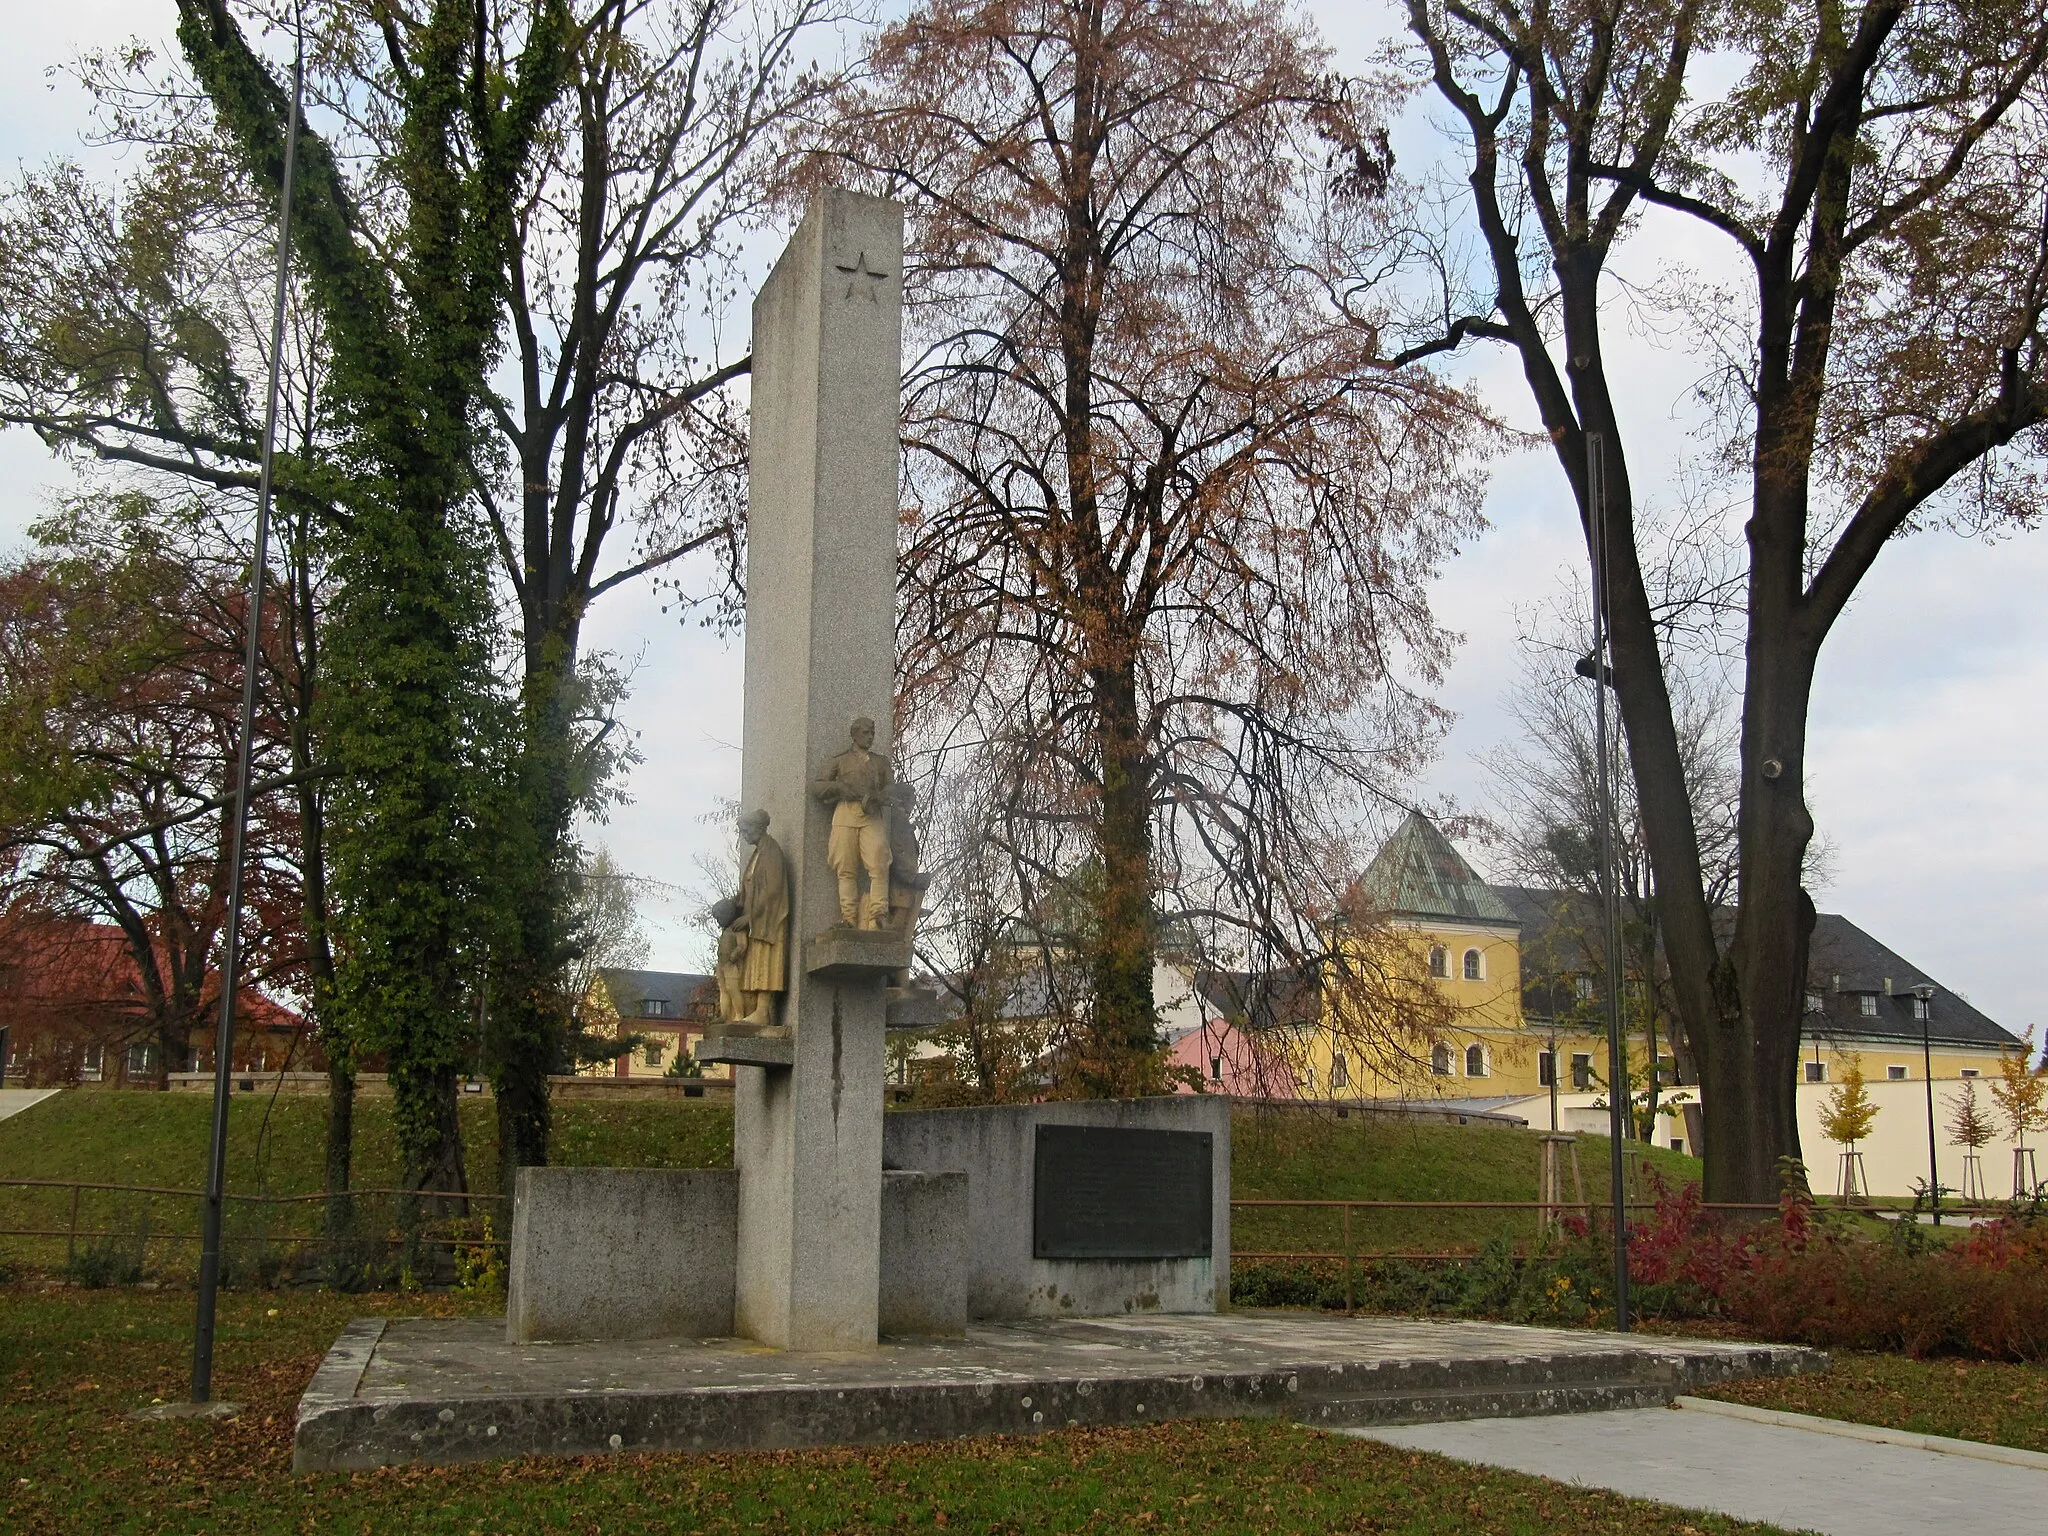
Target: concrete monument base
[(441, 1390), (621, 1253)]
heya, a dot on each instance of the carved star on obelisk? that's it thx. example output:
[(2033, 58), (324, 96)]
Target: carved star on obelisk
[(856, 271)]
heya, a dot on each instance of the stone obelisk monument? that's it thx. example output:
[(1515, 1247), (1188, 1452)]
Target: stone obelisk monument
[(821, 653)]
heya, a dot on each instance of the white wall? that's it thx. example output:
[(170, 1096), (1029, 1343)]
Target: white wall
[(1894, 1155)]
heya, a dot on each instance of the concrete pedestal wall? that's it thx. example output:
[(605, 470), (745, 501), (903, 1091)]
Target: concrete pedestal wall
[(924, 1254), (996, 1147), (621, 1253)]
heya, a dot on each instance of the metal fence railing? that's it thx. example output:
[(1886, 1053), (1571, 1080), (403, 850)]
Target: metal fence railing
[(117, 1230)]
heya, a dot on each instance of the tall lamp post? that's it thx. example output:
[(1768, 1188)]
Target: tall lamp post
[(1597, 668), (1923, 998)]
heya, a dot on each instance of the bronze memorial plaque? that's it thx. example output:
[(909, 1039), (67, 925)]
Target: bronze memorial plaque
[(1102, 1192)]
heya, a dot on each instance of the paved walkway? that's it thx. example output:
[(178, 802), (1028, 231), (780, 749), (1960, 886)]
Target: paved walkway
[(1802, 1479), (14, 1100)]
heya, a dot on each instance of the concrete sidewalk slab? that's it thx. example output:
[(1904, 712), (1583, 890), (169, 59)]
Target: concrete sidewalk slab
[(1802, 1479), (14, 1100), (444, 1390)]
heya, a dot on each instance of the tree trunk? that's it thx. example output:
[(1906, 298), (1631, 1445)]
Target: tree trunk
[(341, 1131), (529, 1013), (1124, 1028)]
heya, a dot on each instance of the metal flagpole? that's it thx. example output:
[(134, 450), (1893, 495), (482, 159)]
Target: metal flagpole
[(231, 960), (1617, 1060)]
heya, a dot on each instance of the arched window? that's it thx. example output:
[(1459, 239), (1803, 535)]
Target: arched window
[(1439, 961), (1340, 1071), (1475, 1061), (1440, 1060), (1475, 965)]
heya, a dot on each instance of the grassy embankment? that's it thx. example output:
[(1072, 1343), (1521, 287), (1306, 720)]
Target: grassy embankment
[(72, 1363), (160, 1140)]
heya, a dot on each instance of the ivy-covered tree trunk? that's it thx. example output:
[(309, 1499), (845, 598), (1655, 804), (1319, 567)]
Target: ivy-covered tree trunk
[(412, 313)]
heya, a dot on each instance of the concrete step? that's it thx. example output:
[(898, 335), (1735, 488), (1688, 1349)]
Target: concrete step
[(1444, 1404)]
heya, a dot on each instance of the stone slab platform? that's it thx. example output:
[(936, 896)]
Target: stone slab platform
[(438, 1391)]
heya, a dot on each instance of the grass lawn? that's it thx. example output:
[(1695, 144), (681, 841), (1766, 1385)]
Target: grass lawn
[(159, 1139), (72, 1363), (276, 1147), (1293, 1156), (1965, 1399)]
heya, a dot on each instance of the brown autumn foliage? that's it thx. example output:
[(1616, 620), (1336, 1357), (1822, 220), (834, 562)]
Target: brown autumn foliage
[(1172, 494)]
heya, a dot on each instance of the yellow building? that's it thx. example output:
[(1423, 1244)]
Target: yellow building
[(1519, 971), (667, 1009), (1464, 936)]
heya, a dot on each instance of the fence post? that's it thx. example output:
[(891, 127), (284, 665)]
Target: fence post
[(1350, 1267), (71, 1242)]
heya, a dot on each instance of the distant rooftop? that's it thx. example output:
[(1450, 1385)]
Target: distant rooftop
[(1561, 935), (1418, 874)]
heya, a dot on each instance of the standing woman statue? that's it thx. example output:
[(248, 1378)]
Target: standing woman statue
[(753, 950)]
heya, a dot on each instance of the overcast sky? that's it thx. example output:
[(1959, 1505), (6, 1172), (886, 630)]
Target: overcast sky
[(1927, 718)]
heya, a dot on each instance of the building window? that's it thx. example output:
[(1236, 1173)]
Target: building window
[(1919, 1007), (651, 1052), (653, 1008), (91, 1061), (1895, 1074), (1816, 1071), (1813, 1002), (1439, 961), (1215, 1069), (1475, 965), (1340, 1071), (1866, 1004), (1582, 1073), (1546, 1069), (1440, 1060), (1475, 1061), (142, 1058), (1969, 1072), (1667, 1070), (1583, 986)]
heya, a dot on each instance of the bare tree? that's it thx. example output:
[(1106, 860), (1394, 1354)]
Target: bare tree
[(1172, 504), (1880, 171)]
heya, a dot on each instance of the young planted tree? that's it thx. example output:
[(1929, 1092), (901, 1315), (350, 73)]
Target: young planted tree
[(2021, 1094), (1172, 503), (1879, 173), (1846, 1119), (1970, 1128)]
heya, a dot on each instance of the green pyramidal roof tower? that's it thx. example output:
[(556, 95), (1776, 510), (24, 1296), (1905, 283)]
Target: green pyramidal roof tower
[(1419, 875)]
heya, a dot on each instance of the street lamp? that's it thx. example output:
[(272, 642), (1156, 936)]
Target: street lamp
[(1923, 995), (1596, 668)]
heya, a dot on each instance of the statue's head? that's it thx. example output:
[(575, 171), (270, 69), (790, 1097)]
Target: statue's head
[(725, 912), (864, 733), (753, 826)]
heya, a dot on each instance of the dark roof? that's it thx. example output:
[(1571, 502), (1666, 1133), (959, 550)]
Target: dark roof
[(1254, 1000), (1418, 874), (680, 992), (1561, 938), (1842, 950)]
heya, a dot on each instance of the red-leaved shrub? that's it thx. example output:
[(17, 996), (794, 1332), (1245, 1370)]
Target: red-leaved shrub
[(1804, 1282)]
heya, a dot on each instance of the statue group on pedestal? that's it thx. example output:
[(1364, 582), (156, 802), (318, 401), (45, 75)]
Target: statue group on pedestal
[(872, 836)]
